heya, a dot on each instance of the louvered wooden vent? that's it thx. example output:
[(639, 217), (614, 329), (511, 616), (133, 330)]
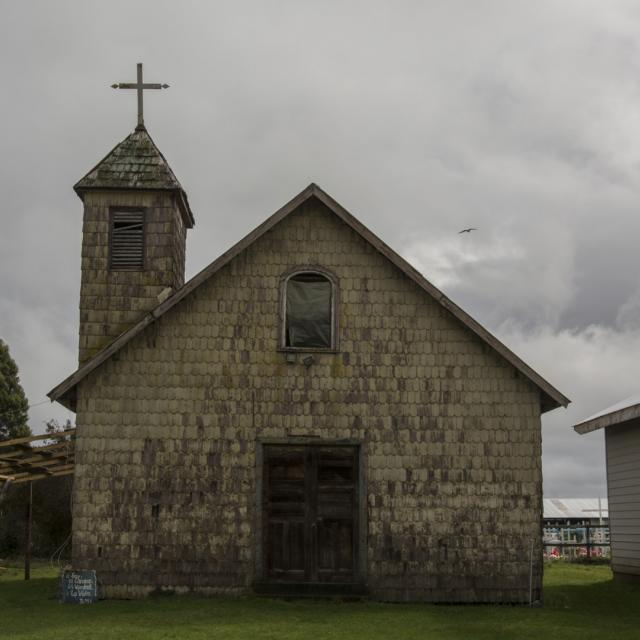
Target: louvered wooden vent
[(127, 240)]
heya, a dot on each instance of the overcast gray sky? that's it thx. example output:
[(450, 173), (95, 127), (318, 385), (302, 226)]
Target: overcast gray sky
[(520, 118)]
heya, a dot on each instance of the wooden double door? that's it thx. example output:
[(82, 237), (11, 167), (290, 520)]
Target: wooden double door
[(310, 513)]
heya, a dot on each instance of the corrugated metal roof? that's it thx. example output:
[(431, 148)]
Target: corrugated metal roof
[(582, 508)]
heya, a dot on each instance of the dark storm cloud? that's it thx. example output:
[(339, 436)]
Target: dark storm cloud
[(518, 118)]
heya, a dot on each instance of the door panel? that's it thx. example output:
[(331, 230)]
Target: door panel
[(286, 510), (310, 512), (336, 513)]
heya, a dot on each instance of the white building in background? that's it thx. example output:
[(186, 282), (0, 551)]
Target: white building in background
[(576, 528), (621, 424), (576, 510)]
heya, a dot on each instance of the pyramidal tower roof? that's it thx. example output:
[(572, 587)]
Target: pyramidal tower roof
[(136, 163)]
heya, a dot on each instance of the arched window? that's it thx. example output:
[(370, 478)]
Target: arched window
[(309, 311)]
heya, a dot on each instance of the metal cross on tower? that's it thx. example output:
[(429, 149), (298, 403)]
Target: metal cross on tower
[(140, 86)]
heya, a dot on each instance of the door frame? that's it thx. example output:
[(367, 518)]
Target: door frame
[(360, 570)]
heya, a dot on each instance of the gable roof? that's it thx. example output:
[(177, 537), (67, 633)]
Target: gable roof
[(136, 163), (551, 398), (618, 413)]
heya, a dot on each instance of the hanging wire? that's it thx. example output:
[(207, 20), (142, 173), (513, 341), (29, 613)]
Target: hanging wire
[(14, 412), (37, 404), (31, 406)]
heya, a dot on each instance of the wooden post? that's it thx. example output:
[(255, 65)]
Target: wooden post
[(27, 546)]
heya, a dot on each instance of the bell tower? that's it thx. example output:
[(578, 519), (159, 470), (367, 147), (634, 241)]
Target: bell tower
[(136, 216)]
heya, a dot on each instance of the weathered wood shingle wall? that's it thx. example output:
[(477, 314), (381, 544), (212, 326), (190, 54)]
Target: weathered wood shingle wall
[(112, 301), (165, 489)]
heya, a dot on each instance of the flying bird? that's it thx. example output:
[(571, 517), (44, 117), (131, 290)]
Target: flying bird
[(469, 230)]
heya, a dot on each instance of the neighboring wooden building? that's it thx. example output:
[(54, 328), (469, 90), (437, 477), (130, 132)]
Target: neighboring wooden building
[(308, 412), (621, 424)]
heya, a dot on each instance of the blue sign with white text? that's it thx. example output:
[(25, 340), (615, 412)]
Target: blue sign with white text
[(78, 587)]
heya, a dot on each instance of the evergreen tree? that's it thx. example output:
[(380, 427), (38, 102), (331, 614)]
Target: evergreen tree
[(13, 403)]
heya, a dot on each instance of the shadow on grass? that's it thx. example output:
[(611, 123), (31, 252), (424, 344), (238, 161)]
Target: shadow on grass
[(610, 596)]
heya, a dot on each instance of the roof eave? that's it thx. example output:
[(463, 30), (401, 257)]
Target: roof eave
[(61, 392), (183, 202), (608, 420), (549, 403), (551, 397)]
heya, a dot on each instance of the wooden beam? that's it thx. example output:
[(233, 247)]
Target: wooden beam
[(60, 472), (57, 465), (46, 436), (40, 450), (52, 458), (39, 465), (17, 471), (36, 467)]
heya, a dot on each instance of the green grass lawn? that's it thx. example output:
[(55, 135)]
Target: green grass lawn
[(581, 602)]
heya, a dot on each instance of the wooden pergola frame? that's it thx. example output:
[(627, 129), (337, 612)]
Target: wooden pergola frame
[(21, 462)]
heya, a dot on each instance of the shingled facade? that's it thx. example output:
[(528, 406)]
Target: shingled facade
[(134, 178), (402, 459)]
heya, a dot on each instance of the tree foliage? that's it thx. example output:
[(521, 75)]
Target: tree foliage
[(14, 406), (53, 426)]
